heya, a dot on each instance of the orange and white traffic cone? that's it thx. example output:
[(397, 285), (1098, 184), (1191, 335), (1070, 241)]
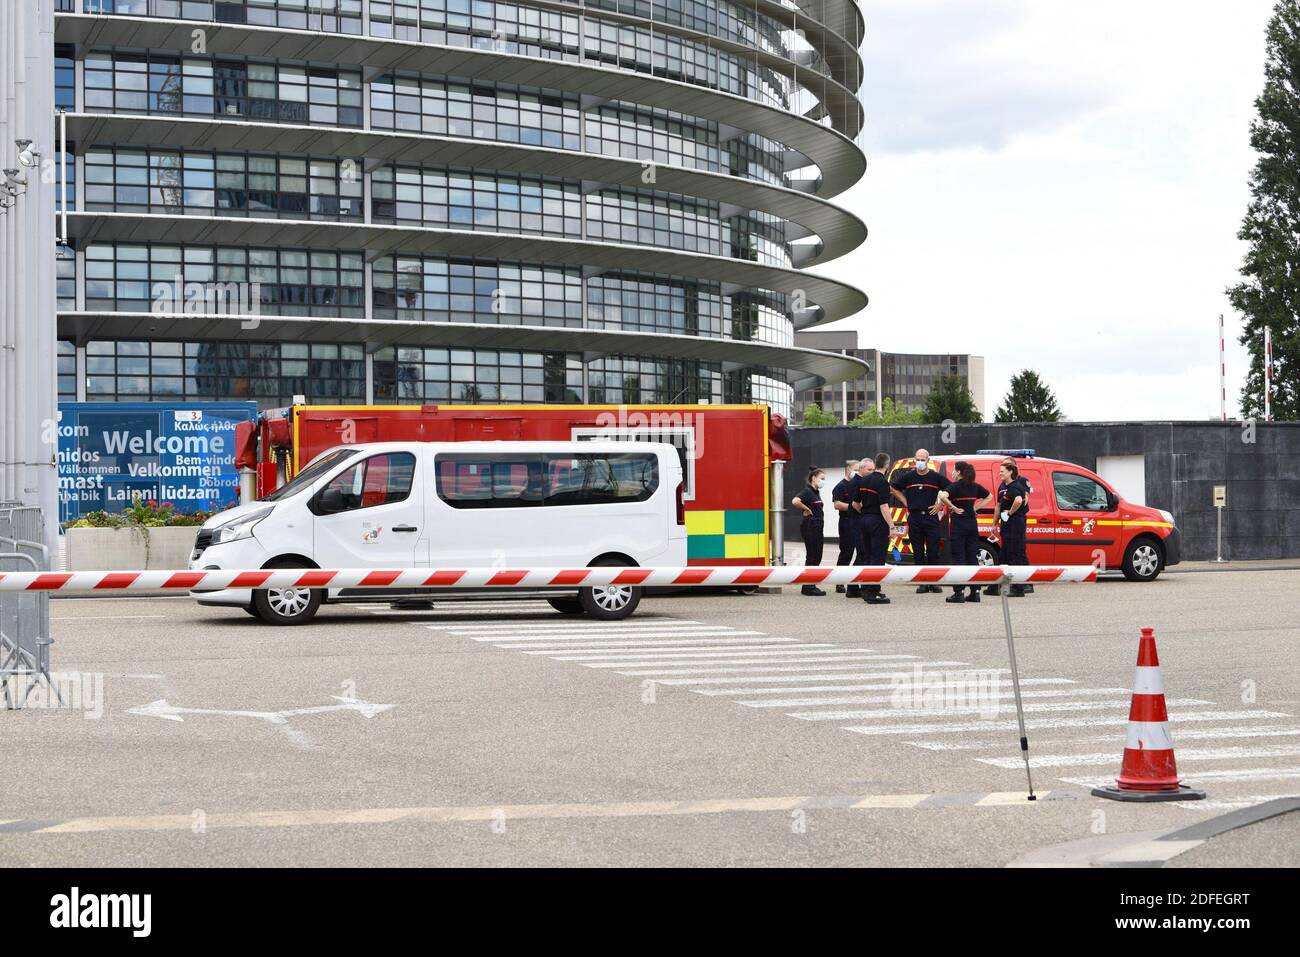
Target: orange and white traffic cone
[(1148, 771)]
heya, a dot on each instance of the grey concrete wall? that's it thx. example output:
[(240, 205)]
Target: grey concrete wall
[(1184, 461)]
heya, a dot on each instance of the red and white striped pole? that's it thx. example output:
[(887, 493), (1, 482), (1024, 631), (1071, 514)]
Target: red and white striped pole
[(1268, 374), (508, 578), (1223, 374)]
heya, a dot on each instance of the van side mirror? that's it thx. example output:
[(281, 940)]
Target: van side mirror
[(330, 501), (1112, 501)]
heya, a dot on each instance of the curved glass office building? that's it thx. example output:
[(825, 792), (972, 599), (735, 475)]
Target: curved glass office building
[(455, 200)]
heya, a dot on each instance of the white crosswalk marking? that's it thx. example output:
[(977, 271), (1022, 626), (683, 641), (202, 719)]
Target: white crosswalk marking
[(787, 668), (875, 686), (857, 689), (952, 712), (599, 643), (1205, 778), (1185, 756), (804, 659), (887, 698)]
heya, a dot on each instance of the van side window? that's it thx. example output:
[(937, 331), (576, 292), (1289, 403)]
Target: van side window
[(1078, 493), (466, 480), (497, 481), (600, 479), (378, 480)]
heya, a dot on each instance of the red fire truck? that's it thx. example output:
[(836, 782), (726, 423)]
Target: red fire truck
[(727, 452)]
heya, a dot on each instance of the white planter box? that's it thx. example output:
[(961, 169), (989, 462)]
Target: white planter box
[(129, 549)]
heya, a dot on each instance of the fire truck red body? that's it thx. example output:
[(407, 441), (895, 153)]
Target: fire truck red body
[(727, 452)]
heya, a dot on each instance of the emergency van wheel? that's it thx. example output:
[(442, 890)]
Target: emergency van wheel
[(287, 606), (609, 602), (1144, 560), (566, 606), (986, 553)]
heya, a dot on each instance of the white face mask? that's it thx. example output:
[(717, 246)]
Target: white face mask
[(922, 465)]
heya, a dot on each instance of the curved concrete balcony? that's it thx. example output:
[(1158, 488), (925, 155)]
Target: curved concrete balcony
[(831, 148), (826, 300), (808, 215), (801, 368)]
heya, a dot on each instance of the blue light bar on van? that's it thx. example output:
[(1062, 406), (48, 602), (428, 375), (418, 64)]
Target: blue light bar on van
[(1012, 453)]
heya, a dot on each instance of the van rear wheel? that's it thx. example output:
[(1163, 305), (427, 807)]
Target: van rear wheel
[(609, 602), (287, 606)]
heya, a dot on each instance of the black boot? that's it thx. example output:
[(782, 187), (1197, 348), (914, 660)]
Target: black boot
[(956, 598), (993, 590), (974, 596), (923, 589), (936, 590), (839, 589), (877, 599), (1016, 591), (811, 590)]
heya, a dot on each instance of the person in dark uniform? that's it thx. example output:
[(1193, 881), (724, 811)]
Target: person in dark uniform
[(871, 500), (962, 497), (918, 488), (809, 501), (1013, 509), (842, 501)]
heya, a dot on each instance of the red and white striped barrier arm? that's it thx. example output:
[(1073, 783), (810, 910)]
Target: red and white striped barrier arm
[(543, 577)]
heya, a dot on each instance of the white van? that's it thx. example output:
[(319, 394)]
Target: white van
[(456, 505)]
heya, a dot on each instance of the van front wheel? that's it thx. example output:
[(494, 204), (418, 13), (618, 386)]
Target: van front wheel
[(609, 602), (1144, 560), (287, 606)]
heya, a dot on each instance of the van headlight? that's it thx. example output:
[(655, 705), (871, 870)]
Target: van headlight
[(1167, 516), (241, 527)]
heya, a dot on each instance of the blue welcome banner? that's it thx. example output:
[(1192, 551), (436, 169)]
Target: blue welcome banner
[(182, 453)]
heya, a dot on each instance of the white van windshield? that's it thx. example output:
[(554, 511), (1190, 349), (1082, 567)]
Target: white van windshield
[(310, 474)]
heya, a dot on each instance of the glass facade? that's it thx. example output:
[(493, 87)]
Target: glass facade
[(377, 266), (269, 372)]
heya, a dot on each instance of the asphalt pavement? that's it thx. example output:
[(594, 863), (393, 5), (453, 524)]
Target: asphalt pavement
[(709, 729)]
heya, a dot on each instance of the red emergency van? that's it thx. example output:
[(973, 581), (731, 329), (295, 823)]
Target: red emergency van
[(1075, 518), (727, 452)]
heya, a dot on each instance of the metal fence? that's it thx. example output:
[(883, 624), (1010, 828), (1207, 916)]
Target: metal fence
[(24, 616)]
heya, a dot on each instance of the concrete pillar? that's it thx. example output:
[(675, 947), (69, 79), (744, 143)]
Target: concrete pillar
[(28, 364)]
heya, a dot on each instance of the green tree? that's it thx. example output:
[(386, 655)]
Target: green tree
[(1269, 296), (891, 413), (1029, 399), (813, 415), (949, 400)]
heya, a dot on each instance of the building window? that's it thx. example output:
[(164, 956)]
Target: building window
[(468, 290), (128, 277), (270, 92), (168, 181), (480, 110), (270, 373), (414, 374), (477, 199), (66, 356)]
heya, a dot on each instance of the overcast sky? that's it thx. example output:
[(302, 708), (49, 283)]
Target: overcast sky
[(1058, 186)]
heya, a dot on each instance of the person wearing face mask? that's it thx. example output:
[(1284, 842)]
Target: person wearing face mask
[(809, 502), (918, 488), (962, 497)]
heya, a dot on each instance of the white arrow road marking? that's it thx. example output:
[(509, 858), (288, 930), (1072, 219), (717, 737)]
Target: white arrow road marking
[(161, 709)]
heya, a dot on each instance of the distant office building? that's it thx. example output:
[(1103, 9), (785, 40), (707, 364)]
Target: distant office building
[(904, 377)]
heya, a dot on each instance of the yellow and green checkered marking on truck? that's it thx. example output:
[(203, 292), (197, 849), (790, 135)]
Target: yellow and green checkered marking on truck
[(726, 534)]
